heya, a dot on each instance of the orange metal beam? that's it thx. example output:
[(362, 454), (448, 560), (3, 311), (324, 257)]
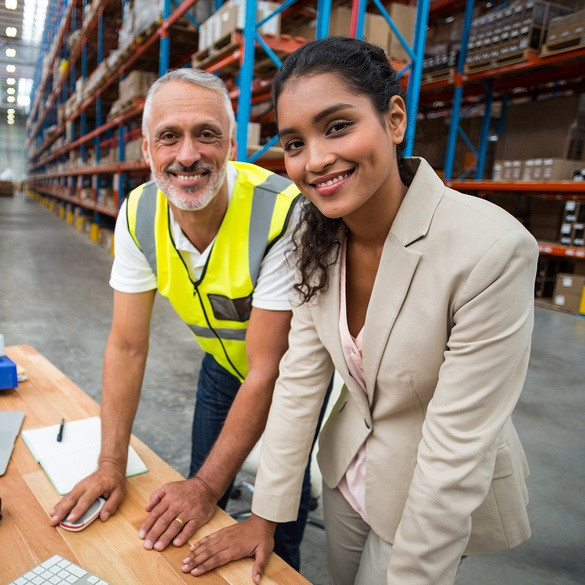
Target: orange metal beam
[(555, 249)]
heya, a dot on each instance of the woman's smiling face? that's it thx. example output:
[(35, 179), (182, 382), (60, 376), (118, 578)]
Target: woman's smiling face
[(338, 149)]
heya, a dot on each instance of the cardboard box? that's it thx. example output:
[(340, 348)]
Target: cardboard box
[(498, 170), (136, 84), (570, 303), (577, 234), (569, 284), (376, 30), (231, 17), (571, 211), (569, 291), (253, 133), (558, 169), (404, 17), (544, 129), (339, 21)]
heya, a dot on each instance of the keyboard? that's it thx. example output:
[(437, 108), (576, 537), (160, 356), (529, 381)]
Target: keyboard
[(58, 571)]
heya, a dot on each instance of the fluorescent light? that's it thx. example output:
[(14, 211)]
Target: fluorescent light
[(11, 52), (10, 99), (33, 20), (10, 122), (10, 81), (10, 68), (10, 91), (11, 111), (11, 4), (11, 31)]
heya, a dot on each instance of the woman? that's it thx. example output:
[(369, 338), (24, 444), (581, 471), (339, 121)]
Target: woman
[(422, 299)]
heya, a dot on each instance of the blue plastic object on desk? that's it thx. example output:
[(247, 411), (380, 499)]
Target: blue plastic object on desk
[(8, 375)]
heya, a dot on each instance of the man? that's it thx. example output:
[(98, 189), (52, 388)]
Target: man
[(212, 239)]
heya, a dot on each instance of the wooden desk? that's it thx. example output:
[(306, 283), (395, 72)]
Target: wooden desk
[(112, 549)]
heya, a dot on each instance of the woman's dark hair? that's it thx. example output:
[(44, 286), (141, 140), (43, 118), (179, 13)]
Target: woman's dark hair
[(365, 70)]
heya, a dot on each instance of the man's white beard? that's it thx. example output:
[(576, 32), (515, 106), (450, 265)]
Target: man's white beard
[(191, 198)]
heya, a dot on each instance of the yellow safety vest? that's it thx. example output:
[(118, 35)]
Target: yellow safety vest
[(217, 306)]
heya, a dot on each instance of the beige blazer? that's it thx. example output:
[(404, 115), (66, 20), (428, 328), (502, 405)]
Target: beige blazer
[(445, 351)]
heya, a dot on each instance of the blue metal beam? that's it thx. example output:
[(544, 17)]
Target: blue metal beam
[(485, 131), (414, 83), (165, 42), (458, 92), (323, 18), (245, 79)]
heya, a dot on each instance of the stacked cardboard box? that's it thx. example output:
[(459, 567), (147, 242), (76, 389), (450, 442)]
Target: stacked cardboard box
[(566, 31), (135, 85), (377, 30), (231, 17), (547, 129), (569, 292), (133, 150), (545, 218), (573, 221), (536, 169), (506, 33)]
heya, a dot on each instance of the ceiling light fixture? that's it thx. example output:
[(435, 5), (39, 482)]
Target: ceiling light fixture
[(10, 91), (11, 4), (11, 31), (10, 81), (10, 68), (11, 52), (10, 99)]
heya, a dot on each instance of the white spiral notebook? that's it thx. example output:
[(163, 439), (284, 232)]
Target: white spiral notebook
[(75, 456)]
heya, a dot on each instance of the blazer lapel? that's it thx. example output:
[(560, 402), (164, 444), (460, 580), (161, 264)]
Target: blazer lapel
[(398, 265)]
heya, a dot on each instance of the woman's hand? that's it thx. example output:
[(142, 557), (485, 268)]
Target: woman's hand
[(253, 537)]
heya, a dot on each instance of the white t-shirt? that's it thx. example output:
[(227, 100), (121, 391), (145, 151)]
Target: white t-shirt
[(131, 272)]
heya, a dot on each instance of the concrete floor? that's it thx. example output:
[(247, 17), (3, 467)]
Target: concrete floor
[(54, 295)]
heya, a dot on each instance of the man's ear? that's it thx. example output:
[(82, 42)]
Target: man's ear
[(233, 148), (145, 151)]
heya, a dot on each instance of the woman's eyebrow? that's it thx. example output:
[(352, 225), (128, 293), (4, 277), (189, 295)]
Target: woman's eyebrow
[(319, 116)]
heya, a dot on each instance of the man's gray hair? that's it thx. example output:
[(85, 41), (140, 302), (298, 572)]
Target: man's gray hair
[(197, 77)]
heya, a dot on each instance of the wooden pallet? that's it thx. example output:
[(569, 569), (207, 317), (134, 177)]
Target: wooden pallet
[(439, 75), (520, 57), (562, 46), (220, 48)]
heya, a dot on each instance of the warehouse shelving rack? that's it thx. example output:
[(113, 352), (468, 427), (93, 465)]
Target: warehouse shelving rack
[(154, 51), (51, 92)]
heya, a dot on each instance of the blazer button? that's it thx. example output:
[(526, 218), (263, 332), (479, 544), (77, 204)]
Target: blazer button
[(366, 423)]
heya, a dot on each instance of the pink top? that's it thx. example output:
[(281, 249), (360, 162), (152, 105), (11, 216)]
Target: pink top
[(353, 484)]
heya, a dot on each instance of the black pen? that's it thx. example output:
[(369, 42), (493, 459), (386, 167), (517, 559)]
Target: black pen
[(60, 434)]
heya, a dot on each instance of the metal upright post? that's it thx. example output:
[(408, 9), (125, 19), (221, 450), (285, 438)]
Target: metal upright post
[(246, 78), (96, 179), (414, 82), (458, 92), (323, 18), (84, 67), (165, 41), (358, 19), (485, 131)]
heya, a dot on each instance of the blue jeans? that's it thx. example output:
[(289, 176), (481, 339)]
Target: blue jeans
[(216, 390)]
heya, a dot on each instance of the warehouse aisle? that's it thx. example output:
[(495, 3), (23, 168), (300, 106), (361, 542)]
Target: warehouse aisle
[(54, 295)]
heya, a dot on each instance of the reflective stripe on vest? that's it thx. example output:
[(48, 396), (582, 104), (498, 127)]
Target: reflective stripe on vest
[(216, 307)]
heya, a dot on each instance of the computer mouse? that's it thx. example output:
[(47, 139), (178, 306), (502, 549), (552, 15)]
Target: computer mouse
[(86, 518)]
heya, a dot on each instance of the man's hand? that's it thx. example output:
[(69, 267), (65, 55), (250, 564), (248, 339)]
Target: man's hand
[(108, 481), (177, 510), (253, 537)]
